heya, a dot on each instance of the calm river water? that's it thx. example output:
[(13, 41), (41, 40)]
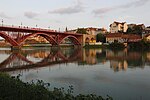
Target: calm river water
[(123, 75)]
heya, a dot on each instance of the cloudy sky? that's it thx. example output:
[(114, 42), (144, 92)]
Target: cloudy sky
[(73, 13)]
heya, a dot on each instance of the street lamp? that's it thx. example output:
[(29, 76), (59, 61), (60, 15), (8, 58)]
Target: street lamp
[(21, 24), (2, 22)]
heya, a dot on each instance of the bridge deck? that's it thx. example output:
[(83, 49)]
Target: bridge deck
[(33, 30)]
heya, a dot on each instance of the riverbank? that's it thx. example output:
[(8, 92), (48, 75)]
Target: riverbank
[(12, 88)]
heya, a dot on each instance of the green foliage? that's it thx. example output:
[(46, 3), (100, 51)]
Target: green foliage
[(100, 38), (129, 30), (116, 46), (12, 88), (142, 45), (93, 46), (135, 30), (81, 30)]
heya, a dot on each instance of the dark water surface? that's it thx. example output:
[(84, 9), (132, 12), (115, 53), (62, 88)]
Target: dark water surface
[(124, 75)]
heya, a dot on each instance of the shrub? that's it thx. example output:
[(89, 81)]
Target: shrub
[(12, 88)]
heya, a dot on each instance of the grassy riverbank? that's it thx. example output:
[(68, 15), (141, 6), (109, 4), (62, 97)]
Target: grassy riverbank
[(12, 88)]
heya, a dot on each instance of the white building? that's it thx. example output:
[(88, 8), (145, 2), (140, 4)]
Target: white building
[(116, 27)]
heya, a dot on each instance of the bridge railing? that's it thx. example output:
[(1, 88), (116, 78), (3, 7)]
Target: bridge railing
[(31, 28), (25, 27)]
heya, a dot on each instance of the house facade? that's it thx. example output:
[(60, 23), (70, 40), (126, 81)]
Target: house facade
[(91, 30), (116, 27), (147, 30), (110, 38), (147, 37), (122, 38)]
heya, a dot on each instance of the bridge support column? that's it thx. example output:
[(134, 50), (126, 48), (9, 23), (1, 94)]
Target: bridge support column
[(15, 47)]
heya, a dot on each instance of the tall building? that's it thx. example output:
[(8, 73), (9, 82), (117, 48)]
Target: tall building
[(116, 27)]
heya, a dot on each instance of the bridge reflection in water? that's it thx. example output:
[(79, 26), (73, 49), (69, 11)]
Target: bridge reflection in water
[(35, 58), (20, 60)]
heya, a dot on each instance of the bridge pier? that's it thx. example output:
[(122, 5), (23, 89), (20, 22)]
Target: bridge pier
[(15, 47)]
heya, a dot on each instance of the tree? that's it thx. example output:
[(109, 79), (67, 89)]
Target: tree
[(129, 30), (135, 30), (81, 31), (100, 38)]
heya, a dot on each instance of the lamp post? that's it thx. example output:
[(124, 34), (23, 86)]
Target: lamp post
[(21, 24), (2, 22)]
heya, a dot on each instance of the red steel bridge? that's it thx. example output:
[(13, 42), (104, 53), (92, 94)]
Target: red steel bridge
[(23, 33)]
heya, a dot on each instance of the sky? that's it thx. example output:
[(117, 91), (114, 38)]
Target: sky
[(55, 14)]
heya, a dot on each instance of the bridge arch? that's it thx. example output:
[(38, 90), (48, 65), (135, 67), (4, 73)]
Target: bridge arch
[(73, 39), (44, 35), (9, 39)]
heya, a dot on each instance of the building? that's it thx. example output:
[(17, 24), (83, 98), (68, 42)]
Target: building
[(91, 30), (142, 26), (95, 31), (122, 38), (102, 31), (36, 39), (147, 30), (116, 27), (90, 37), (147, 37), (132, 26), (110, 38)]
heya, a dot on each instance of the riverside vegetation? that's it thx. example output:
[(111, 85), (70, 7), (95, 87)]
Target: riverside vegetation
[(12, 88)]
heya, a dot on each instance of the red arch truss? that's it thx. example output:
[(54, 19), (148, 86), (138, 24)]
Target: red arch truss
[(8, 39), (45, 35), (72, 38)]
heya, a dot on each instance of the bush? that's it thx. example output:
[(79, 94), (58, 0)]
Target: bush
[(116, 46), (142, 45), (12, 88)]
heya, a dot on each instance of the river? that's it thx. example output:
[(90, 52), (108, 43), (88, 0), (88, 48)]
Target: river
[(123, 75)]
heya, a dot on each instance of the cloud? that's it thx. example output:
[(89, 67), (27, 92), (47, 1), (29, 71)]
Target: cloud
[(102, 10), (3, 15), (69, 10), (30, 15), (136, 3)]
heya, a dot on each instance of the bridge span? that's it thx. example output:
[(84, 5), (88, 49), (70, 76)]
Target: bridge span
[(23, 33)]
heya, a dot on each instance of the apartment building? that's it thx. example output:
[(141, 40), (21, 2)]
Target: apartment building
[(116, 27)]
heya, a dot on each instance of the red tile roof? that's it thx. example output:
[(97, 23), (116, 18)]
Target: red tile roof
[(129, 37), (113, 35)]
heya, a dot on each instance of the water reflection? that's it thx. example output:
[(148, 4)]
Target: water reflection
[(121, 60), (88, 70), (26, 59), (34, 58)]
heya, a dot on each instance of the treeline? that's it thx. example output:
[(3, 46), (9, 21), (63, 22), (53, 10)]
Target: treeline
[(142, 45), (132, 46)]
